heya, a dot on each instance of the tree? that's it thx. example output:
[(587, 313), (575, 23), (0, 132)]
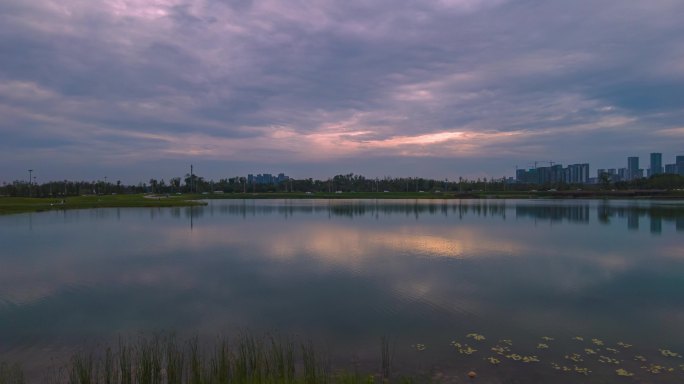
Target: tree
[(604, 179), (153, 184)]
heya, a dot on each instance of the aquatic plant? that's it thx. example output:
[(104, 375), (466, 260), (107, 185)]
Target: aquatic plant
[(11, 374)]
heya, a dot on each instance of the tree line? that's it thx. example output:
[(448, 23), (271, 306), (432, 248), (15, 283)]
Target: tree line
[(343, 183)]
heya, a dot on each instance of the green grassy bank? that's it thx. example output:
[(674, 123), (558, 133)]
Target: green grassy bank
[(9, 205)]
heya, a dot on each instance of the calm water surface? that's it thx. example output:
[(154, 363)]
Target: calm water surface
[(343, 273)]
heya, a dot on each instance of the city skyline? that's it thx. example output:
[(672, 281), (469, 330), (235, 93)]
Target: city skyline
[(578, 172), (443, 88)]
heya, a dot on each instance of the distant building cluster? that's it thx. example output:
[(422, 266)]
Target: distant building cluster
[(554, 174), (267, 178), (579, 173), (633, 171)]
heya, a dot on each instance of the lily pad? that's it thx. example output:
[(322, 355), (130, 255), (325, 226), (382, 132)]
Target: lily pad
[(576, 357), (530, 359), (608, 360), (668, 353), (582, 370), (476, 336)]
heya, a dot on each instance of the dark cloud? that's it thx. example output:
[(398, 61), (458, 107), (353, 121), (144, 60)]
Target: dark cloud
[(264, 84)]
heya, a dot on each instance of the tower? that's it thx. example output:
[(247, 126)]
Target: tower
[(656, 164), (632, 167)]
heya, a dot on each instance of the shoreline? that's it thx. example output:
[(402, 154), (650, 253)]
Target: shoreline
[(15, 205)]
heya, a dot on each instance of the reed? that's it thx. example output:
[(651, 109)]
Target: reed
[(386, 358), (82, 369), (11, 374), (244, 360)]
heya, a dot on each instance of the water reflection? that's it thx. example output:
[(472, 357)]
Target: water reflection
[(345, 272), (540, 210), (573, 213)]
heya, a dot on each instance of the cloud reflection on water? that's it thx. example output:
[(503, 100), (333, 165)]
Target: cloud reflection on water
[(336, 272)]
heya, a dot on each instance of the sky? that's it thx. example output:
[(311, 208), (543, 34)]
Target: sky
[(135, 89)]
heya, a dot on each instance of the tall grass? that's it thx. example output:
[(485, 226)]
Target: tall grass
[(243, 360), (386, 360), (11, 374)]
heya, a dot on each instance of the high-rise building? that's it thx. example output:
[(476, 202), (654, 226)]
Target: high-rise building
[(623, 174), (632, 167), (671, 169), (656, 164), (577, 174), (680, 165)]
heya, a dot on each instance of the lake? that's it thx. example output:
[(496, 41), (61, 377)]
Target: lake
[(574, 284)]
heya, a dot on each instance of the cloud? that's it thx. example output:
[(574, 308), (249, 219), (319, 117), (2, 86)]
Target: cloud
[(278, 84)]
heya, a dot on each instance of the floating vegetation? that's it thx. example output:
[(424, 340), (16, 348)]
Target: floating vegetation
[(576, 369), (476, 336), (597, 342), (578, 338), (582, 370), (608, 360), (493, 360), (562, 368), (668, 353), (624, 345), (656, 369), (622, 372), (419, 347), (576, 357), (530, 359), (467, 350), (514, 357), (589, 351), (542, 346), (508, 342), (463, 349), (612, 350), (546, 338), (500, 350), (640, 358)]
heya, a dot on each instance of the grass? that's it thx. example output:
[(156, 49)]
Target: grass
[(9, 205), (244, 360), (11, 374)]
